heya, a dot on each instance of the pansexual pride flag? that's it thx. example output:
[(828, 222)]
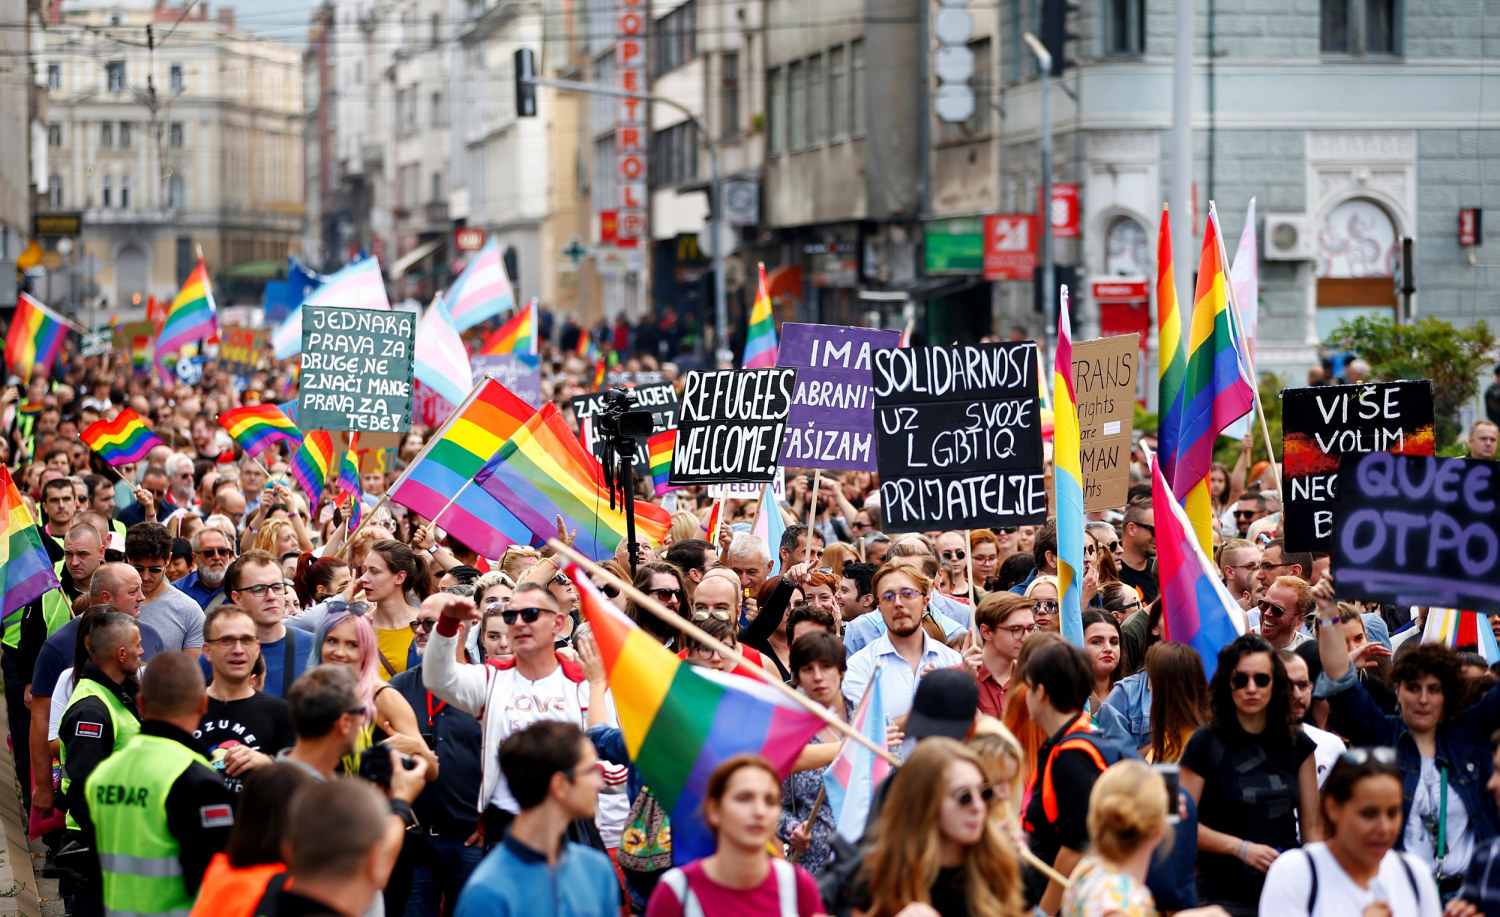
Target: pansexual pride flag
[(851, 779), (192, 315), (25, 570), (760, 341), (681, 721), (1197, 609), (35, 338), (259, 427), (309, 467), (482, 291), (1067, 482), (122, 440), (515, 336)]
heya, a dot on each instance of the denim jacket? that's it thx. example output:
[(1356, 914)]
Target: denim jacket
[(1463, 746), (1127, 711)]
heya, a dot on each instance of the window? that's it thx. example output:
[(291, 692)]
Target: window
[(115, 72), (54, 76), (838, 104), (175, 135), (675, 37), (437, 187), (1125, 27), (176, 193), (857, 86), (124, 192), (776, 111), (54, 136), (54, 192), (730, 78), (106, 191), (439, 114), (817, 115), (435, 25), (796, 108), (174, 78), (674, 155), (124, 135), (107, 134), (1359, 28)]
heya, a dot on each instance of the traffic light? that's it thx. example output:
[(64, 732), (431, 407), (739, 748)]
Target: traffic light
[(525, 89), (1055, 35)]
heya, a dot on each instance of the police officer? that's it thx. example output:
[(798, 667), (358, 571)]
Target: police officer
[(157, 810), (101, 716)]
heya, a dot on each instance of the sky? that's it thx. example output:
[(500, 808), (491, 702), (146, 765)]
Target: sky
[(283, 20)]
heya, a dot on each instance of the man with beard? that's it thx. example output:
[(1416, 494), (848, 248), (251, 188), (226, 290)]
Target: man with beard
[(205, 585)]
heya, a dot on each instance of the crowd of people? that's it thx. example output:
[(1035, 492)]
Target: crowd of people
[(232, 706)]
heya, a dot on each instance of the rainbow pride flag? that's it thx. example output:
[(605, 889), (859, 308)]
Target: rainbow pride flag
[(1197, 609), (1173, 358), (1455, 628), (309, 467), (192, 314), (349, 486), (35, 338), (1067, 482), (25, 570), (681, 721), (585, 346), (711, 525), (515, 336), (260, 426), (1216, 389), (122, 440), (851, 779), (474, 433), (599, 376), (543, 472), (482, 291), (659, 449), (760, 341)]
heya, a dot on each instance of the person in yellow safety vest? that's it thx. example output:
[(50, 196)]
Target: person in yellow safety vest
[(157, 811), (102, 715), (60, 501)]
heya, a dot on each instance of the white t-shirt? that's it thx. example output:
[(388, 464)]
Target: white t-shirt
[(60, 697), (1289, 883), (1426, 808), (520, 702), (1326, 755)]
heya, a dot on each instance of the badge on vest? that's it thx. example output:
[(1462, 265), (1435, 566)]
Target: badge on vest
[(219, 816), (89, 730)]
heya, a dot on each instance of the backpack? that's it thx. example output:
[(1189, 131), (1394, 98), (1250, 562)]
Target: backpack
[(1312, 867), (786, 889)]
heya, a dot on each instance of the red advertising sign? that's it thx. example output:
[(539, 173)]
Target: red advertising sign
[(1064, 211), (1009, 246), (1469, 231), (1122, 290), (468, 238), (631, 135), (609, 225)]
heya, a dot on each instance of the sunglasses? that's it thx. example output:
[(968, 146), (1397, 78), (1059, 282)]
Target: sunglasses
[(954, 555), (1244, 513), (1007, 529), (1142, 525), (423, 627), (664, 595), (966, 796), (1046, 606), (529, 615), (560, 580), (1239, 680), (216, 552), (716, 614), (1379, 754), (154, 571), (1272, 609)]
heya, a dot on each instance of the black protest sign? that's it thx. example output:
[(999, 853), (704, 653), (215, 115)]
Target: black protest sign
[(659, 398), (731, 426), (958, 435), (356, 369), (1323, 424), (1417, 530)]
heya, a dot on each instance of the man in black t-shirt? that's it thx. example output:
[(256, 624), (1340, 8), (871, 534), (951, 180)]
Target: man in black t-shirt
[(243, 728), (1138, 562)]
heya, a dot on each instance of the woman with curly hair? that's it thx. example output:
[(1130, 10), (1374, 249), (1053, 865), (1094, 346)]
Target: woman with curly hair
[(937, 850)]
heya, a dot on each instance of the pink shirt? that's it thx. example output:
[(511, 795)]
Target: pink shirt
[(716, 899)]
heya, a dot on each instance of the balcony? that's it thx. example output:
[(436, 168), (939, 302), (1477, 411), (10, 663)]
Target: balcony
[(436, 212)]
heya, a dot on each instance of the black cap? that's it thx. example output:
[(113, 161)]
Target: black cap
[(945, 705)]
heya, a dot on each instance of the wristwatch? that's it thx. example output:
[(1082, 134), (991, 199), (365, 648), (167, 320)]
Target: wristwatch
[(403, 810), (432, 551)]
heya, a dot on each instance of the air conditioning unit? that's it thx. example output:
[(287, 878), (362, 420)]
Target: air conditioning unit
[(1290, 237)]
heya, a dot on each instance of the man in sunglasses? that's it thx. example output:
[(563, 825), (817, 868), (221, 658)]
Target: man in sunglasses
[(213, 552), (1138, 560), (254, 582), (1250, 507), (1283, 611), (537, 684), (243, 728), (179, 619), (151, 499)]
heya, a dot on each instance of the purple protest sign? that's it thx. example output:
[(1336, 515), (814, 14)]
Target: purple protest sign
[(832, 424)]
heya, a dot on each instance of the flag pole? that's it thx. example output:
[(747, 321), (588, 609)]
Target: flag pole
[(1242, 352), (698, 634), (812, 500)]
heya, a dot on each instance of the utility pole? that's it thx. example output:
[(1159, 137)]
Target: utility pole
[(1183, 262), (1049, 274)]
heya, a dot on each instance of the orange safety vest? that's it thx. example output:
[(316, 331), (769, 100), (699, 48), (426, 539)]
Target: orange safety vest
[(1074, 739)]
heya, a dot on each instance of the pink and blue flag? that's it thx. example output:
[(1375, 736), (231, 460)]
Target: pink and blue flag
[(482, 291), (851, 779), (359, 285), (770, 525), (1067, 482), (1197, 609)]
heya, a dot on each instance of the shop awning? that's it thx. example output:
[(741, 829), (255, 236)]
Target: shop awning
[(404, 263)]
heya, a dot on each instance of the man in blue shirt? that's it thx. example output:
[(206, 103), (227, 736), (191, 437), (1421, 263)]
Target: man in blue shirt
[(205, 585), (254, 582), (555, 776)]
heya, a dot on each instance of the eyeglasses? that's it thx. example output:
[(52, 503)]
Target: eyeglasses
[(1045, 606), (715, 613), (1018, 631), (707, 653), (154, 571), (1142, 525), (261, 589), (1241, 566), (424, 627), (1380, 754), (1239, 680), (208, 553), (905, 593), (1267, 567), (529, 615), (1272, 609), (966, 796), (954, 555), (230, 642), (665, 595)]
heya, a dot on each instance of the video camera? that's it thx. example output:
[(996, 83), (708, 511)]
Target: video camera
[(618, 421)]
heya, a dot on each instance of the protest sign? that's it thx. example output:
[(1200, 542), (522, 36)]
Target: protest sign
[(126, 332), (521, 373), (732, 425), (1321, 425), (356, 369), (1105, 372), (376, 460), (749, 491), (613, 378), (659, 398), (832, 423), (96, 343), (1418, 530), (959, 438), (239, 350)]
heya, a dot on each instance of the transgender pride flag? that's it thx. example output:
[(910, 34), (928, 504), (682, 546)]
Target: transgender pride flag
[(851, 779), (358, 285), (1197, 609), (482, 291)]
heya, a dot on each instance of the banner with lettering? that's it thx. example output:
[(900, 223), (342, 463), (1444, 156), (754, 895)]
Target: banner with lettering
[(356, 369), (832, 424), (732, 425), (1105, 372)]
